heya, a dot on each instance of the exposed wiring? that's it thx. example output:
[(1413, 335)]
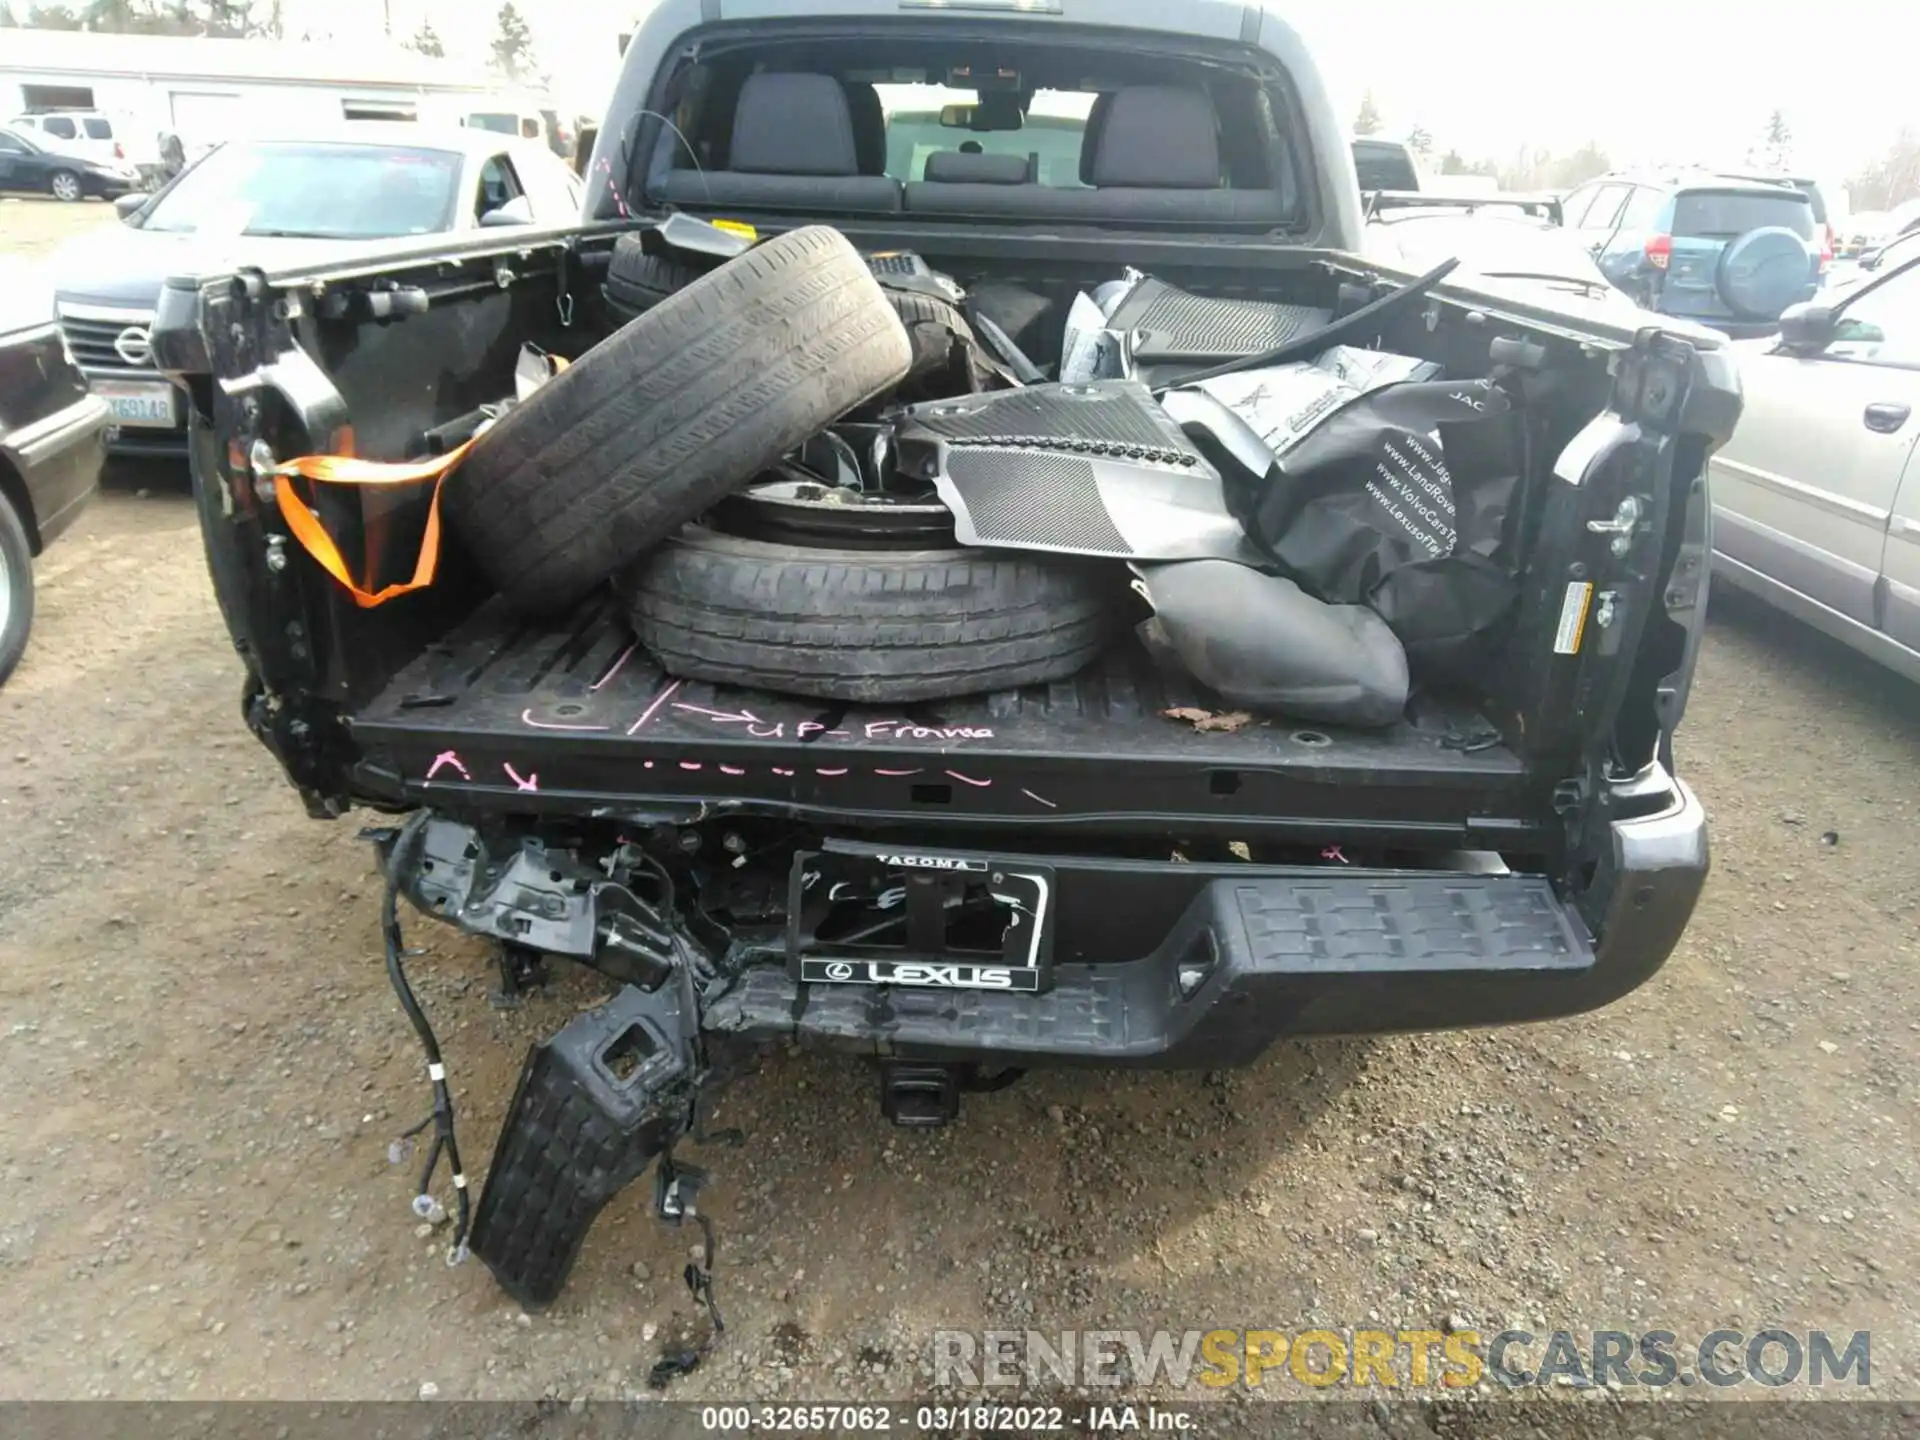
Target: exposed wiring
[(699, 1277), (442, 1117)]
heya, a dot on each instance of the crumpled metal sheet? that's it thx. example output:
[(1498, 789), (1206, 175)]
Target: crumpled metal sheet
[(1096, 470)]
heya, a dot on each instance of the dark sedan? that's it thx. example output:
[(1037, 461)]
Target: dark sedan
[(25, 165), (51, 429)]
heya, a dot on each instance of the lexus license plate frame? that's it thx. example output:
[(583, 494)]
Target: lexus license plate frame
[(914, 900)]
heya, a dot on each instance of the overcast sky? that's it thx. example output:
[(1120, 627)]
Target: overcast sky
[(1651, 80)]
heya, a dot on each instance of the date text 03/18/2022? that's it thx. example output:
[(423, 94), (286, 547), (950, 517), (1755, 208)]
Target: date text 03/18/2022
[(954, 1419)]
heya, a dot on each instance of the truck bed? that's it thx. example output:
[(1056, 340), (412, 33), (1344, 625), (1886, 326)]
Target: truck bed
[(502, 714)]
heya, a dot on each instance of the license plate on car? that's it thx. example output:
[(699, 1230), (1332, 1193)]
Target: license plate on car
[(874, 916), (140, 402)]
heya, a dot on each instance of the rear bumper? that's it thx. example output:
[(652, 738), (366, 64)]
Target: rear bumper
[(138, 441), (1503, 951)]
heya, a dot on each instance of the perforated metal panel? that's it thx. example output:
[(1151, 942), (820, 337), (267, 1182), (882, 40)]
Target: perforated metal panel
[(1034, 500), (1171, 324), (1113, 418)]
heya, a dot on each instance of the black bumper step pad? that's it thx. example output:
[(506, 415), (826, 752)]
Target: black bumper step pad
[(1250, 960)]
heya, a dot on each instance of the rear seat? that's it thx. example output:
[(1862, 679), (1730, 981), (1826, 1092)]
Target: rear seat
[(794, 147), (1152, 155)]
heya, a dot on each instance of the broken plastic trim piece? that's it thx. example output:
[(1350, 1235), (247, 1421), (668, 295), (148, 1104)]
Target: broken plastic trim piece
[(523, 893), (595, 1105)]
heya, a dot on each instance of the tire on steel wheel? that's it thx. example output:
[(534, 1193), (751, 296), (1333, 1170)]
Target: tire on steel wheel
[(637, 281), (863, 625), (671, 413), (16, 588)]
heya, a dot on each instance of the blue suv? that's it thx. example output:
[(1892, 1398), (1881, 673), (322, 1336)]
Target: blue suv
[(1725, 252)]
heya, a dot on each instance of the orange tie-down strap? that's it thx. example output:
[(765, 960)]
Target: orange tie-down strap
[(344, 470), (347, 470)]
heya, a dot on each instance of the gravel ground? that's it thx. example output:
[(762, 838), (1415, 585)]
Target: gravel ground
[(204, 1069)]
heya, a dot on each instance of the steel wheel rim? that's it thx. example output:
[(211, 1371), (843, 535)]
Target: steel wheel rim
[(803, 514), (6, 591)]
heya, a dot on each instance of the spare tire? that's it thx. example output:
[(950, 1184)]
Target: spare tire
[(863, 625), (671, 413), (1763, 272), (637, 281)]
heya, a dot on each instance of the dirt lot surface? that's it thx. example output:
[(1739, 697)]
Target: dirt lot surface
[(34, 228), (204, 1066)]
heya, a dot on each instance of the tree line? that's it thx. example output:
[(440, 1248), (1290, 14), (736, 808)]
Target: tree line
[(511, 48)]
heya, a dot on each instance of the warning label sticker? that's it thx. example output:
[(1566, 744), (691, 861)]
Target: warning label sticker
[(1573, 618)]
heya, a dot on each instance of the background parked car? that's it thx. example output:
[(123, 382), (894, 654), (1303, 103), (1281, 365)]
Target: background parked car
[(1829, 202), (1385, 165), (90, 134), (1816, 498), (1864, 230), (1892, 254), (1732, 254), (1902, 221), (50, 453), (267, 202), (26, 165), (1513, 238)]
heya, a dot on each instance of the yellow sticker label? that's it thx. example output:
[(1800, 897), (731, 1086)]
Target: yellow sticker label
[(1573, 618), (737, 227)]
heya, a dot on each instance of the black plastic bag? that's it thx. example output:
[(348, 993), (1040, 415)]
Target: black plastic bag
[(1365, 509)]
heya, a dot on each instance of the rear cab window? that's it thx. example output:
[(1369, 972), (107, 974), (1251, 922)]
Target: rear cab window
[(916, 94), (1729, 214), (1052, 129)]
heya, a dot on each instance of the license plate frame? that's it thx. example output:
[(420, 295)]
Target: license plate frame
[(141, 404), (923, 894)]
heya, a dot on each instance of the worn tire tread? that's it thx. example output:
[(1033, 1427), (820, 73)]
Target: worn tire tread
[(671, 413), (866, 626)]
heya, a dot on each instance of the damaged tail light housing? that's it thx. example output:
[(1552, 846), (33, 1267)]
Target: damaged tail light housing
[(1660, 251)]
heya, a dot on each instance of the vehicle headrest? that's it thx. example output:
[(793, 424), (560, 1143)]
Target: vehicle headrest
[(793, 124), (1157, 137), (1090, 138), (953, 167), (869, 126)]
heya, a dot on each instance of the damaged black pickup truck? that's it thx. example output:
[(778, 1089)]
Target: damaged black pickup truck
[(821, 653)]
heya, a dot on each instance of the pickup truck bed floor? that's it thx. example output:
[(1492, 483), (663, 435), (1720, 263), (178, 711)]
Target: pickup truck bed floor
[(505, 715)]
